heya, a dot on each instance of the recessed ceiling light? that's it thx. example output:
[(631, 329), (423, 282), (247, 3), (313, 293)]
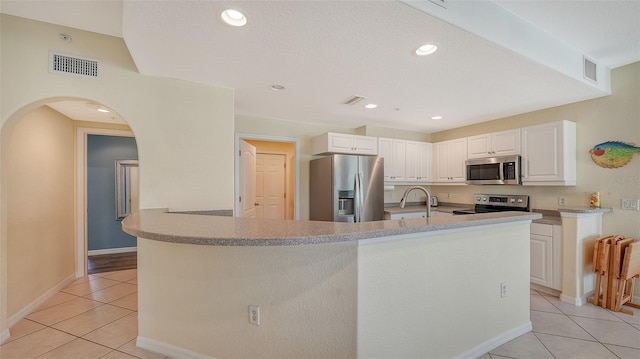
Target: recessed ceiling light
[(436, 118), (103, 110), (426, 49), (371, 105), (233, 17), (277, 87)]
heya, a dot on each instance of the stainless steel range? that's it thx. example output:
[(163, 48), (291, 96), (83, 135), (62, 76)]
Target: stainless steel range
[(485, 203)]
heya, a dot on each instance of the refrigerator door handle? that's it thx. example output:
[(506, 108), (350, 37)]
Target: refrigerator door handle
[(356, 201), (359, 198)]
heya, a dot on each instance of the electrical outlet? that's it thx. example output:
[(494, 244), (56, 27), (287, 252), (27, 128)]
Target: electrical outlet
[(503, 289), (562, 201), (254, 314), (449, 195), (631, 204)]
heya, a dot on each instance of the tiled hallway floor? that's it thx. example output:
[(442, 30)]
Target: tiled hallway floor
[(96, 317), (93, 317), (564, 331)]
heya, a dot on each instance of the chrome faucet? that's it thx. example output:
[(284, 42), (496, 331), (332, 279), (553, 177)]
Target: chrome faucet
[(403, 201)]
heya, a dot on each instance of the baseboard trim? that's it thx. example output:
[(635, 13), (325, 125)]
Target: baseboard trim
[(495, 342), (41, 299), (97, 252), (168, 349), (4, 336), (576, 301)]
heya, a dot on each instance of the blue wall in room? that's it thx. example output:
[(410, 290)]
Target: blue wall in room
[(104, 231)]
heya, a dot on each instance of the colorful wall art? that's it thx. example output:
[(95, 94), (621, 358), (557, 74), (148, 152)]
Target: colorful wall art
[(613, 154)]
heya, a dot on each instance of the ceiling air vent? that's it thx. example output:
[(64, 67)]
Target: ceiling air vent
[(353, 100), (590, 70), (74, 65)]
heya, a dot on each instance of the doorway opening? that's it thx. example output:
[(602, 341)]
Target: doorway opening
[(43, 157), (267, 177), (101, 245)]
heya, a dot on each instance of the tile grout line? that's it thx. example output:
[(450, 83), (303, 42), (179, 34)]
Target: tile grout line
[(586, 331), (75, 337)]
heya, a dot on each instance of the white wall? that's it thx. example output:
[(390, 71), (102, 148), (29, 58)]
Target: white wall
[(184, 131)]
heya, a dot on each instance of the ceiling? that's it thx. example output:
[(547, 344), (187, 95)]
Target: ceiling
[(495, 59)]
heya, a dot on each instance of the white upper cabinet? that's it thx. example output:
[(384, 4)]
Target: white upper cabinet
[(449, 161), (394, 152), (344, 143), (549, 154), (405, 161), (418, 159), (494, 144)]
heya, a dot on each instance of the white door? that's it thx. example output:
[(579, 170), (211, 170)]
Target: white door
[(247, 180), (270, 186)]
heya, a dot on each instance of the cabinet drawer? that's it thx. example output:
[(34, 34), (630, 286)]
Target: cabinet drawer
[(542, 229)]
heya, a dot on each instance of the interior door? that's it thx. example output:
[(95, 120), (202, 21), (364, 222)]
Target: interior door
[(270, 186), (247, 180)]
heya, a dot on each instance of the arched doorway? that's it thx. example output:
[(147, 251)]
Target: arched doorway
[(40, 164)]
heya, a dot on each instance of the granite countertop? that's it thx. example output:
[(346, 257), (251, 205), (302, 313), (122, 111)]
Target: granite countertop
[(584, 210), (158, 224)]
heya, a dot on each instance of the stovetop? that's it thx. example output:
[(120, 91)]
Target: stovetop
[(485, 203)]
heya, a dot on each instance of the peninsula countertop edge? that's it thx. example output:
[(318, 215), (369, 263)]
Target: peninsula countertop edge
[(162, 225)]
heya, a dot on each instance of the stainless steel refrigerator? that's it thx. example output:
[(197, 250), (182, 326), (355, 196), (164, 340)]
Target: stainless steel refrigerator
[(347, 188)]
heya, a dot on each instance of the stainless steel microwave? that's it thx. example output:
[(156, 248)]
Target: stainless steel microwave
[(493, 170)]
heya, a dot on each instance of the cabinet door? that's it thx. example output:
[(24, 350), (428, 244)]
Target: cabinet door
[(423, 162), (541, 260), (393, 152), (441, 158), (457, 168), (411, 160), (340, 143), (399, 165), (549, 154), (385, 150), (365, 145), (505, 143), (479, 146)]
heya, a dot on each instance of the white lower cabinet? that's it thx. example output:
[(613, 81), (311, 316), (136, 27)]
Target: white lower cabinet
[(414, 215), (546, 255)]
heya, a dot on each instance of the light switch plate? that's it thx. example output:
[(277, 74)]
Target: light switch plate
[(631, 204)]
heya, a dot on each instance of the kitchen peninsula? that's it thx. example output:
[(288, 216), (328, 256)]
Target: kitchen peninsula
[(427, 288)]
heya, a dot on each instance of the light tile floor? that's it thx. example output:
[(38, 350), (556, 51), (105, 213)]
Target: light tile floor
[(564, 331), (93, 317), (96, 317)]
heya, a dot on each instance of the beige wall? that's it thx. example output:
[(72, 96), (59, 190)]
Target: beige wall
[(385, 298), (184, 130), (437, 295), (615, 117), (40, 220), (393, 133), (307, 296)]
